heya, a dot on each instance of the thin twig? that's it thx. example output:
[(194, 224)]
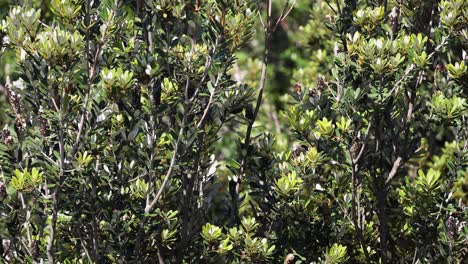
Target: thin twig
[(331, 7), (415, 254), (286, 10), (150, 206), (354, 206), (261, 20), (208, 65), (361, 151), (84, 247), (210, 100), (160, 258), (95, 224), (396, 165)]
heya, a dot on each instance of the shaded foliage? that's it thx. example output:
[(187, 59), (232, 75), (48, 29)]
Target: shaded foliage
[(161, 131)]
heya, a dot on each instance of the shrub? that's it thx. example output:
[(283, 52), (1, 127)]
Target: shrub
[(135, 132)]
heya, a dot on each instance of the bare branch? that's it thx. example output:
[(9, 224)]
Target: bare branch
[(286, 10), (361, 151), (331, 7), (150, 206), (210, 100), (261, 20), (396, 165)]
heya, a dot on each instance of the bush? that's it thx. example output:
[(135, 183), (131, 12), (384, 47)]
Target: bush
[(135, 132)]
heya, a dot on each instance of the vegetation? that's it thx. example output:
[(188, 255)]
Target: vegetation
[(217, 131)]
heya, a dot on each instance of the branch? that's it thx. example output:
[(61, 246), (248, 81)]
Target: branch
[(331, 7), (355, 199), (361, 151), (396, 165), (95, 228), (209, 102), (268, 31), (160, 258), (189, 103), (409, 114), (150, 206), (261, 20), (208, 64), (91, 77), (286, 10), (397, 84)]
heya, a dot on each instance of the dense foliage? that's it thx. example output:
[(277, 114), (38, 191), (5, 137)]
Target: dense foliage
[(220, 131)]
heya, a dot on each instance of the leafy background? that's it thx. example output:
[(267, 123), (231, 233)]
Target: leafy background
[(308, 194)]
